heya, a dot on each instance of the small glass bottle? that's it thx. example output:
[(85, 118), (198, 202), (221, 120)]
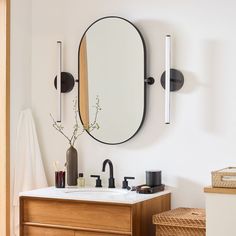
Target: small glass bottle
[(81, 180)]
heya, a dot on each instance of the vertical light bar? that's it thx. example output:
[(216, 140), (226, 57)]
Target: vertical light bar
[(59, 46), (167, 78)]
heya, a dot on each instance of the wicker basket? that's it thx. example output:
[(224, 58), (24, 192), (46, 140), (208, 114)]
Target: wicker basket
[(224, 178), (181, 222)]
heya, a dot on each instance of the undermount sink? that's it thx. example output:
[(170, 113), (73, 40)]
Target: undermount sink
[(100, 191)]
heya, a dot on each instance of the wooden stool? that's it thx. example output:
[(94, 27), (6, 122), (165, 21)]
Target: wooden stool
[(181, 222)]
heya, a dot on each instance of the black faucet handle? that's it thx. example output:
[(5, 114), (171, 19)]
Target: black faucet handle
[(125, 178), (125, 183), (98, 181)]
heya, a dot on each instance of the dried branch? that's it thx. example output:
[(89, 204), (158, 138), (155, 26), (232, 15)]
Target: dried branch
[(77, 131), (59, 128)]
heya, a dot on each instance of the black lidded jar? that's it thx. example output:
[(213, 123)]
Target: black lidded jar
[(153, 178)]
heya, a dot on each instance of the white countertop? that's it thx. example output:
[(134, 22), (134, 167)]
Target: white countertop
[(93, 194)]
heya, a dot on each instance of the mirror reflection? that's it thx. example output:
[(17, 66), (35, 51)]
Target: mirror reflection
[(112, 67)]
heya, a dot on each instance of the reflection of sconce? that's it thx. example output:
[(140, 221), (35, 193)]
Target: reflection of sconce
[(171, 79), (64, 80)]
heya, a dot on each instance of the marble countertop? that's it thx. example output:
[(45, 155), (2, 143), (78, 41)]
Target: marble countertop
[(93, 194)]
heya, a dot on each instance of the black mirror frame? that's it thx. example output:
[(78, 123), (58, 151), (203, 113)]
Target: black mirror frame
[(146, 80)]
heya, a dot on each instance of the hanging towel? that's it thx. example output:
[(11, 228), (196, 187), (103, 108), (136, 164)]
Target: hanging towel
[(29, 172)]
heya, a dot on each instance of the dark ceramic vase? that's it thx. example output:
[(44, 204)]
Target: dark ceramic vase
[(72, 166)]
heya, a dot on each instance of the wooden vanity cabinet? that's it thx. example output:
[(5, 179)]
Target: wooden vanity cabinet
[(42, 231), (86, 233), (55, 217), (39, 231)]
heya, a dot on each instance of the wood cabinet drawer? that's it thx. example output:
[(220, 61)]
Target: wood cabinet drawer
[(40, 231), (114, 217), (86, 233)]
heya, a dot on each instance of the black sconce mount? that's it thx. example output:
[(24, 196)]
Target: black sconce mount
[(176, 80), (67, 82), (149, 80)]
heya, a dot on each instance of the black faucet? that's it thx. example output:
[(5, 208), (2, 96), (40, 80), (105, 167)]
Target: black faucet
[(111, 179)]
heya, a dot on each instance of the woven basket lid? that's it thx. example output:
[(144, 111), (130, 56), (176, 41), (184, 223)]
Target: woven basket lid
[(182, 217)]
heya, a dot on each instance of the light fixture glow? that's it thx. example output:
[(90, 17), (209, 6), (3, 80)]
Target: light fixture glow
[(59, 46), (167, 78)]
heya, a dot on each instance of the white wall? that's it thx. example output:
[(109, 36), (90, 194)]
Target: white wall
[(201, 136), (20, 88)]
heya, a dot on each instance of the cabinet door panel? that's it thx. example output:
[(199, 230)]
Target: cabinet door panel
[(41, 231)]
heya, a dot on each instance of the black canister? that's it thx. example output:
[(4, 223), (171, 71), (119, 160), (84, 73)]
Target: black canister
[(153, 178)]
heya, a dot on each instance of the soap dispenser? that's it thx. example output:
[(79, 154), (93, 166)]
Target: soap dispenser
[(81, 180)]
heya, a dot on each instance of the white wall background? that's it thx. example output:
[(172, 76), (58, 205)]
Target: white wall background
[(201, 137), (20, 61), (20, 88)]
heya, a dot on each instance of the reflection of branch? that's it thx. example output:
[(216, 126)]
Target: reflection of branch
[(76, 133), (94, 124)]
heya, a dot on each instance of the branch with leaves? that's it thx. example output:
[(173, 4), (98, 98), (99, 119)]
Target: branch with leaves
[(77, 130)]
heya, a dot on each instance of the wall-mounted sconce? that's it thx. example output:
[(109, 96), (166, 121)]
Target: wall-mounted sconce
[(64, 80), (171, 79)]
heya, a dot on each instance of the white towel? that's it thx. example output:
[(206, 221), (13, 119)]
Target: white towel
[(29, 171)]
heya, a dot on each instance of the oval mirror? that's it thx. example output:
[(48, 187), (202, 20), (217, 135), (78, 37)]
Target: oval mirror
[(112, 67)]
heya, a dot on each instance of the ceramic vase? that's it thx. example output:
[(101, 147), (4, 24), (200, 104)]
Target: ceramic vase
[(72, 166)]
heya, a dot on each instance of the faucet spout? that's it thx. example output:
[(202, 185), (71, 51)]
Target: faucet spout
[(107, 161), (111, 179)]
